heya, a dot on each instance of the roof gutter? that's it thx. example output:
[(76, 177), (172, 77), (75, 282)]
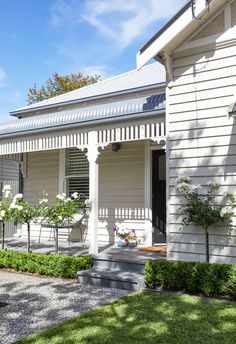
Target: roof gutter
[(87, 99), (150, 113)]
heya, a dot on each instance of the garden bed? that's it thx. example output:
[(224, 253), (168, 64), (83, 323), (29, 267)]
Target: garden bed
[(49, 265), (193, 277)]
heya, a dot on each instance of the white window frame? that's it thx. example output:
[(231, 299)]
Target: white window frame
[(62, 171)]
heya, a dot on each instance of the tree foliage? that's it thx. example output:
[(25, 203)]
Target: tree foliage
[(202, 209), (64, 211), (58, 84)]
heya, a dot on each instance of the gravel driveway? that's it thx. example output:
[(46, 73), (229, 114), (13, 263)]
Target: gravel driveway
[(34, 303)]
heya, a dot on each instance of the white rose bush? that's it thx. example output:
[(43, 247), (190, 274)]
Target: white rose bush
[(200, 209), (63, 212), (24, 213), (5, 210)]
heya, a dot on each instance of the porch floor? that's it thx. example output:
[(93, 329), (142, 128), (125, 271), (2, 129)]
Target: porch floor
[(128, 254), (109, 252)]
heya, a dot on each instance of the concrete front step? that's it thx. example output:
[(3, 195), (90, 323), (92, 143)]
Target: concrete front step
[(114, 272), (112, 278), (118, 264)]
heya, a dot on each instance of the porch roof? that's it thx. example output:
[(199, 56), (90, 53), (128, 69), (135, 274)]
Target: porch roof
[(122, 84), (86, 115)]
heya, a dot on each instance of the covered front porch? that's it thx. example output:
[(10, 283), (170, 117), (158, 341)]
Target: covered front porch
[(112, 153)]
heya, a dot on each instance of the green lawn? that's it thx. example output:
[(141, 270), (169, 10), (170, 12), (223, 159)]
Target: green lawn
[(148, 318)]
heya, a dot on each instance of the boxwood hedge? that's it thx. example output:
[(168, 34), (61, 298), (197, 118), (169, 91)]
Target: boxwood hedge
[(205, 278), (50, 265)]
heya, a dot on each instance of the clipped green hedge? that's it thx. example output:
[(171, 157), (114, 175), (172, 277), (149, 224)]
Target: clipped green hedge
[(49, 265), (205, 278)]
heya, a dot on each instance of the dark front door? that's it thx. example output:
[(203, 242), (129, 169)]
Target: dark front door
[(159, 196)]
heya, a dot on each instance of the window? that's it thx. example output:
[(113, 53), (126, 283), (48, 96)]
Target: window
[(77, 172)]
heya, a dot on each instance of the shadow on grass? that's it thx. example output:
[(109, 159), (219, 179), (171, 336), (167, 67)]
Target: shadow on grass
[(148, 318)]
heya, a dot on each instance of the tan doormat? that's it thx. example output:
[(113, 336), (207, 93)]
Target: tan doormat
[(161, 249)]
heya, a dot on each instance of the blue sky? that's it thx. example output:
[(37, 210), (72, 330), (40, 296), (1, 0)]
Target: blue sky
[(40, 37)]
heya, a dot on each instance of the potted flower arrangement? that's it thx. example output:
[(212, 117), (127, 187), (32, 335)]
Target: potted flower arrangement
[(126, 237), (122, 235), (132, 238)]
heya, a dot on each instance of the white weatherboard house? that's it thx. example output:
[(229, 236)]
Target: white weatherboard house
[(198, 49), (70, 141), (99, 141)]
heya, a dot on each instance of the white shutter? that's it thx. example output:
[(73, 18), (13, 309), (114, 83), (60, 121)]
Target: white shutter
[(77, 172)]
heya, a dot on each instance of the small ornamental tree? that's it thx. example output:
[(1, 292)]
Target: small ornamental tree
[(24, 213), (200, 209), (5, 213), (63, 212)]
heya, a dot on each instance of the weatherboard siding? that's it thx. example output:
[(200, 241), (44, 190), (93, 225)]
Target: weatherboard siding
[(216, 26), (42, 175), (202, 145), (121, 190)]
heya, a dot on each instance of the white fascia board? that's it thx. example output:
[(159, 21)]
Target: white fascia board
[(170, 36), (165, 38)]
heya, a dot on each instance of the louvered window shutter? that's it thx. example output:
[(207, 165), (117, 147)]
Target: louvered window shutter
[(77, 172)]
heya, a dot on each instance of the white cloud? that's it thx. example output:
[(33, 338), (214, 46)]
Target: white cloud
[(102, 70), (121, 21), (2, 77)]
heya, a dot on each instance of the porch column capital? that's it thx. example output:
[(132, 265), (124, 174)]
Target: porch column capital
[(92, 154)]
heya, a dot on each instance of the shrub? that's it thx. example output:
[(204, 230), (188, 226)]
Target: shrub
[(200, 209), (205, 278), (57, 266)]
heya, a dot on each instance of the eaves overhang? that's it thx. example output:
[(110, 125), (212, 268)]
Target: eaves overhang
[(178, 29), (166, 26)]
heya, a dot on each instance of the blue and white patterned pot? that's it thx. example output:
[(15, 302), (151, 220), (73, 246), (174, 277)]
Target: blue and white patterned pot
[(122, 243), (132, 243)]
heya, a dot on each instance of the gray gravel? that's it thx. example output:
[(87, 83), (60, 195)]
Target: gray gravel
[(36, 302)]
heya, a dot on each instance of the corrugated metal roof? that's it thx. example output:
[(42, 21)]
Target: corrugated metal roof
[(85, 115), (149, 75)]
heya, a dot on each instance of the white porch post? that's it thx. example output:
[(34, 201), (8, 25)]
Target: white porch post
[(93, 192), (148, 195), (62, 164)]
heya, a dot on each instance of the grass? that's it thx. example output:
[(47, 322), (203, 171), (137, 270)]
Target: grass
[(148, 318)]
